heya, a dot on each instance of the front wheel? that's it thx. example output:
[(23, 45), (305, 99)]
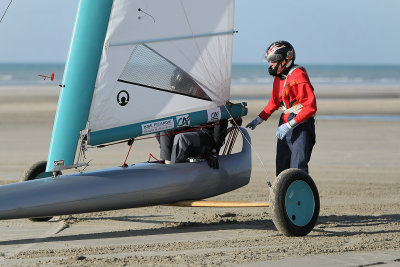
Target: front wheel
[(37, 171), (295, 203)]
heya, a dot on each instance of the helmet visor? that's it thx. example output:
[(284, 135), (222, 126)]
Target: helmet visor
[(272, 57)]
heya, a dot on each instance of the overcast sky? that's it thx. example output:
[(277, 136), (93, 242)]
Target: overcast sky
[(322, 32)]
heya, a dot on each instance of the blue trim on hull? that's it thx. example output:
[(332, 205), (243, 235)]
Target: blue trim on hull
[(79, 79), (134, 130)]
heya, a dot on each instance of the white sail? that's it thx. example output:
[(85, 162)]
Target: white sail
[(162, 58)]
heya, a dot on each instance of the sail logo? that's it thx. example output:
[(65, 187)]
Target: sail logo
[(214, 114), (123, 98), (183, 120), (158, 126)]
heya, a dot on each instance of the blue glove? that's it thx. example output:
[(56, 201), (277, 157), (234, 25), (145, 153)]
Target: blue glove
[(254, 123), (285, 128)]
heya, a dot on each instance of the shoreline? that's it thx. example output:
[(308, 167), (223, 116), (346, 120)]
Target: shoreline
[(35, 102), (325, 91), (251, 91)]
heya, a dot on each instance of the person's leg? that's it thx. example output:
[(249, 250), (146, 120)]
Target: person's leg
[(201, 145), (302, 143), (190, 144), (166, 140), (283, 156), (182, 147), (283, 153)]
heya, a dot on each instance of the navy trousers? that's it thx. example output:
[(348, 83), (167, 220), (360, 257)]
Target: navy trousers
[(294, 150)]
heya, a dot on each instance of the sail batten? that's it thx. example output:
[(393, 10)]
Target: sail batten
[(160, 89), (175, 38)]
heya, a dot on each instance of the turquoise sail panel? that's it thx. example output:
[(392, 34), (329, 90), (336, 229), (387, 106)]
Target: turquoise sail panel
[(167, 123), (79, 79)]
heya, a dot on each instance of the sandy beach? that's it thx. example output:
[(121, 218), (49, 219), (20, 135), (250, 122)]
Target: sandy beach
[(355, 165)]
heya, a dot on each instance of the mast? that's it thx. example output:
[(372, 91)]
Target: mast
[(79, 79)]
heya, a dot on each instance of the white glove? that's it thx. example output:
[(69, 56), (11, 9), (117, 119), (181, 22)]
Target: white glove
[(254, 123), (285, 128)]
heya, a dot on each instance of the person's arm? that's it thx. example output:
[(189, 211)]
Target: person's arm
[(273, 104)]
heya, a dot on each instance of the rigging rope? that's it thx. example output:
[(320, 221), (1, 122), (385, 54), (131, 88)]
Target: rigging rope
[(5, 11), (151, 156), (125, 165), (253, 149)]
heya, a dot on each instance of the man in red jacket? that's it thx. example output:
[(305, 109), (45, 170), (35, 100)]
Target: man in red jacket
[(292, 90)]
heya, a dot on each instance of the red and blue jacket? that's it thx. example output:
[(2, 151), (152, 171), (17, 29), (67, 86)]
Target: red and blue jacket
[(298, 90)]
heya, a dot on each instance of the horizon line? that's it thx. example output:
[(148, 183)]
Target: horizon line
[(233, 63)]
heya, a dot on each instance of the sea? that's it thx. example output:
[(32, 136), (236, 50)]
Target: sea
[(242, 74)]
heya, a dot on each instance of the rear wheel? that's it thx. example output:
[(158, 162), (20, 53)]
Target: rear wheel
[(37, 171), (295, 203)]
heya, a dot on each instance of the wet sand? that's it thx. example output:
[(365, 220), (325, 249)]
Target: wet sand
[(355, 165)]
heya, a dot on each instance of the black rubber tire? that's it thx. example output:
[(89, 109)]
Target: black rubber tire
[(36, 170), (284, 221)]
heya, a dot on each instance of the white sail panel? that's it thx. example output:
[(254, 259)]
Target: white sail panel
[(167, 56)]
